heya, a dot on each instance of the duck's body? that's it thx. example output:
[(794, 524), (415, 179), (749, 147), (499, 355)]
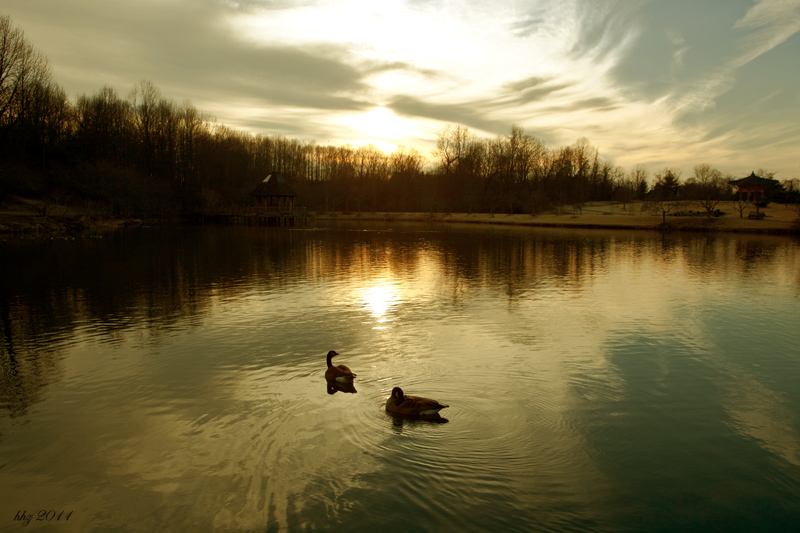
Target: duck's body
[(400, 404), (339, 373)]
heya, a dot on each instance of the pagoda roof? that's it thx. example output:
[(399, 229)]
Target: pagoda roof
[(752, 179), (274, 185)]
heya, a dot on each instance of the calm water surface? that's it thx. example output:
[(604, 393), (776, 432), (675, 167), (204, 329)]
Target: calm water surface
[(172, 380)]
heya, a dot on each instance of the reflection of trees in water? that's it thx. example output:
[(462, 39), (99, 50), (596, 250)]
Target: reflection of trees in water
[(124, 281), (706, 256), (754, 253), (156, 278), (524, 262), (27, 362)]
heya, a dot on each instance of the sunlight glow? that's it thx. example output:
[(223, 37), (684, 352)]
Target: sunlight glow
[(444, 55), (380, 126), (380, 299), (497, 64), (637, 78)]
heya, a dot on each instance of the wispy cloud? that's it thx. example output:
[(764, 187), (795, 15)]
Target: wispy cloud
[(770, 23)]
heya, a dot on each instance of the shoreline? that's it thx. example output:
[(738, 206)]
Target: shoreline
[(23, 218), (779, 220)]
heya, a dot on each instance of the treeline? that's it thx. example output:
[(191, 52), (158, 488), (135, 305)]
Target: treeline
[(145, 155)]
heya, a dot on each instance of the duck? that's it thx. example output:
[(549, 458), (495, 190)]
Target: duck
[(339, 373), (400, 404)]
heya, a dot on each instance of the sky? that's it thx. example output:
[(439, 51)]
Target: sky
[(661, 83)]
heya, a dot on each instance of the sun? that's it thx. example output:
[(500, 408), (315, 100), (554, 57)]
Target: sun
[(378, 126)]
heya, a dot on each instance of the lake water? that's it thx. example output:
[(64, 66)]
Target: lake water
[(172, 379)]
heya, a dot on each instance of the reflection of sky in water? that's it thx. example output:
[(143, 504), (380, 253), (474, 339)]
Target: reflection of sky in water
[(581, 374)]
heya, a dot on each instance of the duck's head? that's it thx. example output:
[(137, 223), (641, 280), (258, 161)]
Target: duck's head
[(397, 394), (330, 355)]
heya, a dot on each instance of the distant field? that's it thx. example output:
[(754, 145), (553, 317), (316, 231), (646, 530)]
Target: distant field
[(27, 215), (778, 218)]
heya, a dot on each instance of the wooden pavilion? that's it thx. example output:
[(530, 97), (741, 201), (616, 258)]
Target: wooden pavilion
[(274, 194), (275, 201), (275, 206), (753, 188)]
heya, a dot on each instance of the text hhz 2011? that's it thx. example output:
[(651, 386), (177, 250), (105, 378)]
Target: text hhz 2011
[(41, 516)]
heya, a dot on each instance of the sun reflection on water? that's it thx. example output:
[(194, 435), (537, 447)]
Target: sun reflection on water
[(379, 300)]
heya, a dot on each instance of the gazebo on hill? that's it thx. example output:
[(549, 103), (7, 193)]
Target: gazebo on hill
[(753, 188), (274, 195)]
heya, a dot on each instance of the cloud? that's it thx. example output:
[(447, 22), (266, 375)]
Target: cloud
[(189, 52), (605, 27), (534, 89), (679, 75), (770, 23), (468, 114), (600, 103), (681, 49), (765, 25)]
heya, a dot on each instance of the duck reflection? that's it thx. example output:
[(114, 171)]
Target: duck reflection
[(334, 386), (399, 420)]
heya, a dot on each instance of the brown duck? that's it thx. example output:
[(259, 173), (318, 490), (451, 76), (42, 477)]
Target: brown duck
[(339, 373), (400, 404)]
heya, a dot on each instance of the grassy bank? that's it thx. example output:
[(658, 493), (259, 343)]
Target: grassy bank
[(25, 217), (35, 218), (778, 219)]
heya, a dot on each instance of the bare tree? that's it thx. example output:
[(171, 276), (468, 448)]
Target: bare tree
[(790, 191), (474, 170), (406, 160), (103, 125), (639, 177), (404, 188), (624, 187), (144, 100), (710, 187), (663, 198), (372, 172), (25, 81), (15, 59), (451, 145), (766, 174), (515, 157), (740, 203)]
